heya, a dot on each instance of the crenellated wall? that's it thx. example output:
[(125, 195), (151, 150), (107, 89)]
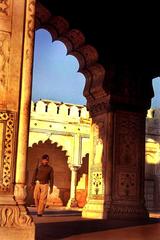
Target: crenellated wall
[(59, 109)]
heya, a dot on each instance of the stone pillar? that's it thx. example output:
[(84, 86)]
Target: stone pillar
[(16, 28), (128, 166), (24, 112), (74, 166), (77, 150), (116, 176), (72, 201)]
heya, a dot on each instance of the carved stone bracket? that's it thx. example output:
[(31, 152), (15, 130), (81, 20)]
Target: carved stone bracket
[(14, 216)]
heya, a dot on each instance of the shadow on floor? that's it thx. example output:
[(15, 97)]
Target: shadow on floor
[(59, 224)]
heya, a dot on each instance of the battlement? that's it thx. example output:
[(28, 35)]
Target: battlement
[(59, 109), (153, 113)]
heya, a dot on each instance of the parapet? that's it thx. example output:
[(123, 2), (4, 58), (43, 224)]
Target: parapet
[(59, 109)]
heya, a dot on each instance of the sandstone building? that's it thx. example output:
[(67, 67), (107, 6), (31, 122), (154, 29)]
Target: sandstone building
[(119, 56)]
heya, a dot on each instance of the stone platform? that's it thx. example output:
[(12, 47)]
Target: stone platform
[(68, 224)]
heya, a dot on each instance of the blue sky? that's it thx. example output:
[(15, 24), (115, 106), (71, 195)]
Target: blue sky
[(56, 76), (156, 99)]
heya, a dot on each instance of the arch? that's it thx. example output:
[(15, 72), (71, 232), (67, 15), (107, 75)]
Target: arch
[(58, 144), (74, 41), (58, 160)]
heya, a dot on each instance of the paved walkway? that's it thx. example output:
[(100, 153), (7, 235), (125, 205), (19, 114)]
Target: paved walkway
[(147, 232), (69, 225)]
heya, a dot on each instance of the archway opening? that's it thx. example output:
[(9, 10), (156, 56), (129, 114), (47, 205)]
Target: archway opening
[(62, 175), (58, 111), (55, 74)]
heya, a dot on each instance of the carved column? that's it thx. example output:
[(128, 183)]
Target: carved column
[(24, 117), (16, 20), (119, 113), (128, 166), (74, 166), (72, 201)]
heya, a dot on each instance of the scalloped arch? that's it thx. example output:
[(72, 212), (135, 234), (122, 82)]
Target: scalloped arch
[(58, 145), (74, 41)]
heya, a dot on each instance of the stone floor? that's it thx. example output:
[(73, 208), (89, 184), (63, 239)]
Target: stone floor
[(68, 224), (146, 232)]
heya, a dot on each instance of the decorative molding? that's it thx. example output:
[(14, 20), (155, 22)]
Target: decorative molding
[(129, 212), (14, 216), (128, 136), (8, 119), (73, 39)]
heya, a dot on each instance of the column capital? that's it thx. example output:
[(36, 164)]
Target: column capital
[(124, 87), (74, 168)]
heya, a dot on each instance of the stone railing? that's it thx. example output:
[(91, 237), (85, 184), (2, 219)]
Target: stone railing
[(59, 109)]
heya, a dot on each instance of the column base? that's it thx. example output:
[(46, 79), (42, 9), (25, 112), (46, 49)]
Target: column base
[(94, 209), (15, 221), (14, 233), (72, 203), (119, 211)]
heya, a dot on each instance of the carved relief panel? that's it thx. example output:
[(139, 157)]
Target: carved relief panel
[(128, 154), (126, 184), (7, 134), (127, 140), (96, 182)]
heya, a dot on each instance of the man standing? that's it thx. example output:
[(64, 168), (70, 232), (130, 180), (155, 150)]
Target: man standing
[(42, 178)]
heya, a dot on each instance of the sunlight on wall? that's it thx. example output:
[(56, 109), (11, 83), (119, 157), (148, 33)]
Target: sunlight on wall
[(55, 75)]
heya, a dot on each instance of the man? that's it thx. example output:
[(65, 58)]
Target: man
[(43, 177)]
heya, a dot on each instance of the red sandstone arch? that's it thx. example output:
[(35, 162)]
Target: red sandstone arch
[(74, 41)]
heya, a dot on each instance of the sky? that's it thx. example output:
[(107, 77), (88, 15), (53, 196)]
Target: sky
[(155, 103), (56, 76)]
